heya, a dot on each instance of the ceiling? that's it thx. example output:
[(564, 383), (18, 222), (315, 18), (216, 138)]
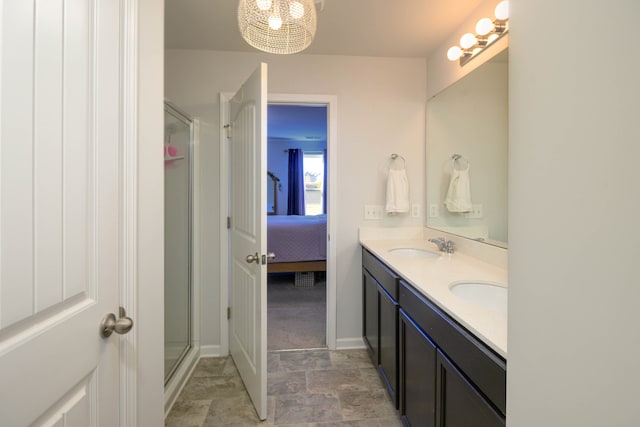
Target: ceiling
[(390, 28), (297, 123)]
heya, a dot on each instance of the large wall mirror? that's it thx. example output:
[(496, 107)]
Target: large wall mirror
[(467, 152)]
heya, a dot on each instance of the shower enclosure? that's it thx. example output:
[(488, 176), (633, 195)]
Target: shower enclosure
[(178, 256)]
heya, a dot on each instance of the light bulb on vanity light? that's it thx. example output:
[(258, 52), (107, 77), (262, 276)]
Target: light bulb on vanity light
[(484, 26), (468, 40), (454, 53), (502, 10)]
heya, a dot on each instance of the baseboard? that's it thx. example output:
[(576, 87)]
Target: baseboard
[(349, 343), (211, 351)]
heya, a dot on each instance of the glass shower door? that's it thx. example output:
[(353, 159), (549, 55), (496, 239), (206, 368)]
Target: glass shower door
[(177, 231)]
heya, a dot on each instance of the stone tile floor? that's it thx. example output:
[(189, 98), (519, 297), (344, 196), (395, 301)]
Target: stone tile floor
[(309, 388)]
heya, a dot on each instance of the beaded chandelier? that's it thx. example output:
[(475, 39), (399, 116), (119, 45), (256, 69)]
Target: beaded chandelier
[(277, 26)]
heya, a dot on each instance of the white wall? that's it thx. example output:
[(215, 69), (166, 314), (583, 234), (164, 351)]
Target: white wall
[(574, 239), (148, 302), (381, 104)]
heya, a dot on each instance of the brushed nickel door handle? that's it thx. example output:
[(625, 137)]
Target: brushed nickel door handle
[(120, 326), (253, 258)]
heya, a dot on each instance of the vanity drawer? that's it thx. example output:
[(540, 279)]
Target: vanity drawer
[(484, 368), (383, 275)]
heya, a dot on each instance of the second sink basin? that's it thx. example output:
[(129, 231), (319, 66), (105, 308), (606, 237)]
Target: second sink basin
[(414, 253), (489, 295)]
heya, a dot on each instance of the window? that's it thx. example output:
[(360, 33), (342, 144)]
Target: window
[(313, 165)]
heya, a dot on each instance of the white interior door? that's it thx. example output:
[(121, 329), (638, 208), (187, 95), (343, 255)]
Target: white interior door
[(248, 324), (59, 211)]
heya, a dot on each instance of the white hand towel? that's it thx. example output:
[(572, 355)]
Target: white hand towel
[(397, 191), (459, 194)]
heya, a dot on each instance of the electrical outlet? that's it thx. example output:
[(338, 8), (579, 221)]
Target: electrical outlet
[(415, 210), (433, 210), (369, 212), (476, 212), (372, 212)]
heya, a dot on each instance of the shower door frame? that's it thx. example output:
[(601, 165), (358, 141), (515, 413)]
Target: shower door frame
[(177, 377)]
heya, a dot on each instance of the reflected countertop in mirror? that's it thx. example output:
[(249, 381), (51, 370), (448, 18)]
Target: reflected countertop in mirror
[(470, 119)]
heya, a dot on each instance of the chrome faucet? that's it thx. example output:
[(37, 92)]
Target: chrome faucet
[(444, 245)]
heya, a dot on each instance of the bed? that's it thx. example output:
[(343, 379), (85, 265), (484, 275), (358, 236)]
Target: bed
[(299, 243)]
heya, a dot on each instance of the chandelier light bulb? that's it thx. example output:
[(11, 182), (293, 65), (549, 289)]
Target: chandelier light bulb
[(263, 4), (467, 40), (484, 26), (275, 22), (502, 10), (454, 53), (296, 10)]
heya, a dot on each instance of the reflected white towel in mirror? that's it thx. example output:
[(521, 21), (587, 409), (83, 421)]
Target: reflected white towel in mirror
[(459, 194)]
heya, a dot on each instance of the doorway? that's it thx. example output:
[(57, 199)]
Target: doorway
[(331, 103), (297, 164)]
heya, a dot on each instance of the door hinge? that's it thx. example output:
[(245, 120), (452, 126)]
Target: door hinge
[(228, 313), (228, 222), (228, 128)]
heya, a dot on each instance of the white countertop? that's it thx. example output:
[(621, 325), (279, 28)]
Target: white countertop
[(432, 278)]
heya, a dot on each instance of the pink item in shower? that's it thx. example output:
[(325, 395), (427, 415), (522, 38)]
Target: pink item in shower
[(169, 152)]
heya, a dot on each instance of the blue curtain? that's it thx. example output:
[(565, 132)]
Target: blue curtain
[(295, 197), (325, 178)]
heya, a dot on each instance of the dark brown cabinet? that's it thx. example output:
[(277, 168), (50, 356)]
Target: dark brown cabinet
[(417, 375), (459, 403), (437, 372), (370, 317), (389, 343), (380, 319)]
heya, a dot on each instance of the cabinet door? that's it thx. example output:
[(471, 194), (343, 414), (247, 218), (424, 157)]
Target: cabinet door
[(370, 329), (417, 375), (458, 402), (389, 342)]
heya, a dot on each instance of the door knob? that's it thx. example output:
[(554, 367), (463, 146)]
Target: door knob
[(253, 258), (120, 326)]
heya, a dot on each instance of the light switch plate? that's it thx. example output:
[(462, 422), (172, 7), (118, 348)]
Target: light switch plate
[(415, 210)]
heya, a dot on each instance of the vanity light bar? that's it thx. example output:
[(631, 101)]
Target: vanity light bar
[(487, 32)]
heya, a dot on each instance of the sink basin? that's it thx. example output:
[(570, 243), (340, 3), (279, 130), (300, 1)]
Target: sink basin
[(489, 295), (414, 253)]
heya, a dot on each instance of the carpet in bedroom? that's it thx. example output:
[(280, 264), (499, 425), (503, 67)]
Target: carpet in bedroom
[(296, 316)]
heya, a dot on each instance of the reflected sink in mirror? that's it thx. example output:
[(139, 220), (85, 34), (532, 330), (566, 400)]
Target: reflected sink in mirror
[(489, 295), (414, 253)]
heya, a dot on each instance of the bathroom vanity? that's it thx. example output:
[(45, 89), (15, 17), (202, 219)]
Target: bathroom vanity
[(443, 359)]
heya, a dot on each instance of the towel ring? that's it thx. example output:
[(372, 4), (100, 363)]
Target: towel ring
[(395, 156), (457, 157)]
